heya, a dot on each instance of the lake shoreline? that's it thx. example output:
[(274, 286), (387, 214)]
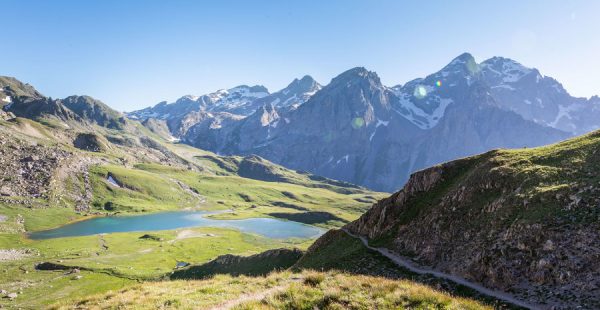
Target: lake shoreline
[(169, 220)]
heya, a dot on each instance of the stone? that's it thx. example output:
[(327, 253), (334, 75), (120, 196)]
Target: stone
[(549, 245), (6, 191)]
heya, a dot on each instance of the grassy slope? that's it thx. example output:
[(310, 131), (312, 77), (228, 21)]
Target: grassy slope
[(148, 186), (336, 251), (115, 260), (524, 186), (307, 290), (494, 217), (154, 185), (544, 177)]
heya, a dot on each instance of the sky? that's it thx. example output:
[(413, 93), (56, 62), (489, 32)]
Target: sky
[(133, 54)]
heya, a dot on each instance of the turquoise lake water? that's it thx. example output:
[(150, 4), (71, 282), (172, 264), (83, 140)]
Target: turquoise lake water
[(268, 227)]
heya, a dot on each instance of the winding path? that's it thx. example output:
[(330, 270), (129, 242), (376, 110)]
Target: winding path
[(398, 260)]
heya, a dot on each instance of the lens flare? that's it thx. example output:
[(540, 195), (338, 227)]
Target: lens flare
[(358, 122), (420, 92), (438, 83)]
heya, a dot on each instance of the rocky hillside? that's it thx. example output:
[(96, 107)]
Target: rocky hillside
[(522, 221), (358, 130)]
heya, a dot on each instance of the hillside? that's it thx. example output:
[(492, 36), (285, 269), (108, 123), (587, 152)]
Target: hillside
[(307, 290), (520, 221), (77, 160)]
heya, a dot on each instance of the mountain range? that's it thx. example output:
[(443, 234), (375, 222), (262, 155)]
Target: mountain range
[(357, 130), (506, 227)]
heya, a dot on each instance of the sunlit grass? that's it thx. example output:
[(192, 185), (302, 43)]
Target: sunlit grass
[(285, 290)]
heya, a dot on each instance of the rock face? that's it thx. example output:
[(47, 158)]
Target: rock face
[(90, 142), (524, 222), (28, 169), (357, 130)]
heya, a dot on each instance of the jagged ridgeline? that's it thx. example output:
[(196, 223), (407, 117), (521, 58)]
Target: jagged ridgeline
[(521, 221), (358, 130), (24, 101)]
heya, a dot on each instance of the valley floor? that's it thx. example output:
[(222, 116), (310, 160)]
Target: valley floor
[(98, 263)]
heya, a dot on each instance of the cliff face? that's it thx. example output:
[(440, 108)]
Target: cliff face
[(382, 217), (524, 221)]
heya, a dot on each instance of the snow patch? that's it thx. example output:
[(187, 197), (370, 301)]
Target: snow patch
[(373, 135), (539, 101), (380, 122), (112, 181), (509, 70), (563, 112), (8, 100), (504, 86), (345, 157), (418, 116)]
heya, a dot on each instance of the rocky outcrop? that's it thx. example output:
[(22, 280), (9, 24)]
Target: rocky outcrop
[(254, 167), (90, 142), (258, 264), (382, 216)]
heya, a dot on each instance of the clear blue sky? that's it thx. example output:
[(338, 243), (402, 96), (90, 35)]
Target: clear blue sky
[(132, 54)]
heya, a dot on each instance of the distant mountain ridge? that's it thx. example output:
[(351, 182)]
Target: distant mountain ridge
[(233, 103), (356, 129), (23, 100)]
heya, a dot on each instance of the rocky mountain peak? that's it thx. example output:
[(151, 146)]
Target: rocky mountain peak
[(464, 65), (355, 76), (95, 111), (11, 87), (506, 69), (257, 89), (304, 85)]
